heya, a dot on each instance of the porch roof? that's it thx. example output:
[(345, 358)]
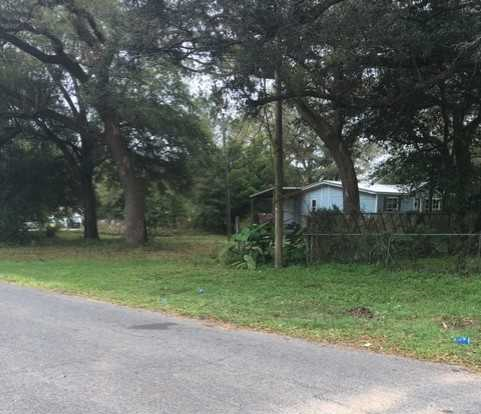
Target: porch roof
[(270, 190)]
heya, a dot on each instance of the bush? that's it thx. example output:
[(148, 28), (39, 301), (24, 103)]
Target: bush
[(254, 246), (12, 226), (295, 246), (250, 247), (33, 182)]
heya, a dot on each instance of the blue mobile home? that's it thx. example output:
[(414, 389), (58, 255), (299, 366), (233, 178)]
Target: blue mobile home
[(374, 198)]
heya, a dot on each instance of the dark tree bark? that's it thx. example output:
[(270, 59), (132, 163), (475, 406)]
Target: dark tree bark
[(133, 185), (89, 204), (345, 164), (340, 152)]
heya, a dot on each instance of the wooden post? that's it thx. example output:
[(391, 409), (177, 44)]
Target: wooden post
[(479, 250), (228, 203), (253, 212), (388, 250), (307, 253), (278, 153)]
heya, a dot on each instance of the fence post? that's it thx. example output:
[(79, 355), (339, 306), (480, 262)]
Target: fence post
[(479, 251), (479, 246), (388, 250), (307, 241), (237, 224), (311, 258)]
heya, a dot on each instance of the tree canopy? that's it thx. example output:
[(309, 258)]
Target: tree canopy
[(113, 94)]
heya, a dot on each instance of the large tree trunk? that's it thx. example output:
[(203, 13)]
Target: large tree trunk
[(341, 154), (134, 186), (89, 203), (347, 172), (83, 167)]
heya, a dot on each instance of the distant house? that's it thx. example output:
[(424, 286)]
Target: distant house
[(374, 198)]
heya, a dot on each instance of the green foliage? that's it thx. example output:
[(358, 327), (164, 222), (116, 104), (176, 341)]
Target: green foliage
[(404, 74), (247, 158), (32, 185), (208, 191), (104, 77), (109, 193), (253, 246), (166, 205), (12, 225), (165, 209), (295, 246), (250, 247), (432, 133), (247, 154)]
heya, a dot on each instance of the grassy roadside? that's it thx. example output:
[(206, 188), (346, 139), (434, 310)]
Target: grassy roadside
[(403, 312)]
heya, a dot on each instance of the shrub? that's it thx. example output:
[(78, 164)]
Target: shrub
[(33, 182), (254, 246), (295, 246), (250, 247), (12, 226)]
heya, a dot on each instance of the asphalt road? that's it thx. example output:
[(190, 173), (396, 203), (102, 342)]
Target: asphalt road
[(63, 355)]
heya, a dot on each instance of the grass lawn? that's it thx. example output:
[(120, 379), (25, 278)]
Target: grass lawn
[(414, 314)]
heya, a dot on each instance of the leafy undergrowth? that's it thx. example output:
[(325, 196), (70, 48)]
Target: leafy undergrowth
[(404, 312)]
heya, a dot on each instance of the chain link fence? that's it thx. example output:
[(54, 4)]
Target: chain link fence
[(412, 241)]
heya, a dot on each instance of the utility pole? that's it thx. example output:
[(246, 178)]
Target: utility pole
[(278, 153), (228, 198)]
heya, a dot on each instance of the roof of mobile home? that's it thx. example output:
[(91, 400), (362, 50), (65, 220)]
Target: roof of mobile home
[(364, 187)]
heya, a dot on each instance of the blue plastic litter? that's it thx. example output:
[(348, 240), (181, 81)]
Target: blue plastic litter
[(201, 291), (463, 340)]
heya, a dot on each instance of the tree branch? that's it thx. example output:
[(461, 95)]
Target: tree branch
[(59, 58)]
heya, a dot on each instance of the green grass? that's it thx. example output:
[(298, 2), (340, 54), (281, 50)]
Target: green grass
[(415, 313)]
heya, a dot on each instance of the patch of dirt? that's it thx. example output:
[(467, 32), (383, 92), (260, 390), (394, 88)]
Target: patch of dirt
[(361, 312), (457, 323)]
